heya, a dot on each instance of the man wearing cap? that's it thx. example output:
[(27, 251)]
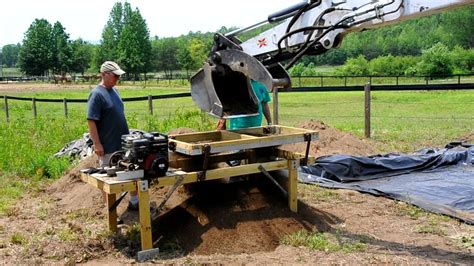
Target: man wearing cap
[(106, 118)]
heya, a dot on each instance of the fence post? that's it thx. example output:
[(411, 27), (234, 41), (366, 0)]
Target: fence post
[(299, 81), (6, 108), (367, 110), (35, 113), (459, 79), (426, 77), (397, 81), (150, 104), (65, 107), (275, 106), (345, 81)]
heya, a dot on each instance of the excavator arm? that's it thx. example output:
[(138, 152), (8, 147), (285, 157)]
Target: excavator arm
[(222, 86)]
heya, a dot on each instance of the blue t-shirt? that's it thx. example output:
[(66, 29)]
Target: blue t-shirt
[(106, 108), (252, 121)]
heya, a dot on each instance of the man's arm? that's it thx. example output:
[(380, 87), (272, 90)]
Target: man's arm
[(266, 113), (94, 134)]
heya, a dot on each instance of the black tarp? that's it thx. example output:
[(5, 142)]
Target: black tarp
[(440, 181)]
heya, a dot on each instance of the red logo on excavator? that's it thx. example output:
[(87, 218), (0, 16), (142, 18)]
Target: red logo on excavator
[(262, 42)]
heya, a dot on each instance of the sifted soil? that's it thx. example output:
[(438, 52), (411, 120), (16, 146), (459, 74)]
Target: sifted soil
[(236, 223)]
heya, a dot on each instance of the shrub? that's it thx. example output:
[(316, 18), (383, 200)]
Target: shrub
[(462, 60), (358, 66), (435, 61)]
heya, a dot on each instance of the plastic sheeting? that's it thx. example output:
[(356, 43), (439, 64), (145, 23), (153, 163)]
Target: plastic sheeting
[(440, 181)]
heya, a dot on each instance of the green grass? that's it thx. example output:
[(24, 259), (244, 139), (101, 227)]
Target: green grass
[(324, 242), (402, 121)]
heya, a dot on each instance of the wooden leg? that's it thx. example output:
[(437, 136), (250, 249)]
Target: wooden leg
[(145, 219), (293, 185), (112, 215)]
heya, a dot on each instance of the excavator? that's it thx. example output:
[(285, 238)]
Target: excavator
[(222, 87)]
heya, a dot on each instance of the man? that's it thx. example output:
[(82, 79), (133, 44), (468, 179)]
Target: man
[(252, 121), (106, 118)]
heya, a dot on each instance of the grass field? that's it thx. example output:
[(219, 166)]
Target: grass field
[(401, 121)]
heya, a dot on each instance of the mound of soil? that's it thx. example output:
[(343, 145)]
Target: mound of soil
[(73, 194), (332, 141), (241, 217), (469, 138)]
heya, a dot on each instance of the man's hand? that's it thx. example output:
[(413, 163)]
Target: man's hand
[(221, 125), (99, 149)]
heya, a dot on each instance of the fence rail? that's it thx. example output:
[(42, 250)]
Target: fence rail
[(298, 81)]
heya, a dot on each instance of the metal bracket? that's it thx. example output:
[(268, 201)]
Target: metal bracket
[(307, 138), (206, 150), (117, 202), (143, 185), (294, 164), (170, 192), (148, 254), (265, 173)]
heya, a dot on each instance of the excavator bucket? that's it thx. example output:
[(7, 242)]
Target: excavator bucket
[(222, 87)]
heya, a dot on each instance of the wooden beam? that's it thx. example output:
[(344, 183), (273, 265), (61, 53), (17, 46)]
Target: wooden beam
[(112, 214), (144, 212), (293, 185), (191, 177)]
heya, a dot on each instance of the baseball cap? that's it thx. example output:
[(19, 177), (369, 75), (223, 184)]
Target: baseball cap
[(110, 66)]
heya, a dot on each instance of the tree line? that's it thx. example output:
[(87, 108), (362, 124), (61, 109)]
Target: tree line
[(47, 49)]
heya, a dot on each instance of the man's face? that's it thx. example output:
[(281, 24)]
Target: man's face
[(109, 79)]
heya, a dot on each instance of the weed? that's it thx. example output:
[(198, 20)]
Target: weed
[(323, 241), (412, 211), (18, 239), (66, 234), (42, 213), (467, 241), (431, 228), (320, 193)]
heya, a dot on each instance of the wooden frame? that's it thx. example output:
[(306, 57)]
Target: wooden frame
[(231, 140), (189, 150), (112, 187)]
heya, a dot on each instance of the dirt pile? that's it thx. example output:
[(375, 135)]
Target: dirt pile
[(468, 138), (332, 141), (73, 194), (241, 217)]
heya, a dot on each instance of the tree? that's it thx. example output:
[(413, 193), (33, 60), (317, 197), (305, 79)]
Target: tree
[(134, 48), (111, 35), (184, 57), (458, 27), (165, 51), (198, 51), (62, 54), (82, 55), (10, 54), (35, 54)]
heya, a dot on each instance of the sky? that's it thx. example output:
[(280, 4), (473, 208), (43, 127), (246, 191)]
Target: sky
[(165, 18)]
